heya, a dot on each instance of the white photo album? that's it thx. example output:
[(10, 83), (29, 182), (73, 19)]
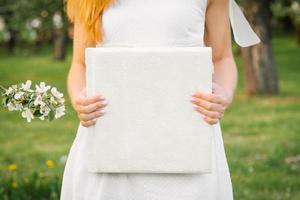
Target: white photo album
[(150, 125)]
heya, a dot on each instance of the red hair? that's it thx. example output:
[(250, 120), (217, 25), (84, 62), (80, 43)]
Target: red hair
[(89, 14)]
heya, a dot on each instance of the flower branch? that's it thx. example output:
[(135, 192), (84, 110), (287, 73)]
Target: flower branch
[(43, 102)]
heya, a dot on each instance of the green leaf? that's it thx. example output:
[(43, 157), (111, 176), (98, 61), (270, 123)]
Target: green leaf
[(2, 89), (37, 113), (31, 104), (4, 101), (51, 115)]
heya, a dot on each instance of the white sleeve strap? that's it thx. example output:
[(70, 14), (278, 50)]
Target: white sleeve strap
[(243, 34)]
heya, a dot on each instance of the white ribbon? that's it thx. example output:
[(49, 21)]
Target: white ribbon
[(243, 34)]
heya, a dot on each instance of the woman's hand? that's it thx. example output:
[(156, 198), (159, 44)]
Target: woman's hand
[(89, 108), (211, 106)]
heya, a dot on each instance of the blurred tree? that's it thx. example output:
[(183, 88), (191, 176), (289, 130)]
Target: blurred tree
[(294, 12), (259, 65), (59, 35), (41, 19), (289, 12), (7, 9), (281, 17)]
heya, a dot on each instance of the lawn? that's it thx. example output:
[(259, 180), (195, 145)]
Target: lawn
[(261, 134)]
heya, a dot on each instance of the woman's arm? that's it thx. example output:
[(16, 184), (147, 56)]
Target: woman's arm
[(76, 76), (87, 108), (218, 36)]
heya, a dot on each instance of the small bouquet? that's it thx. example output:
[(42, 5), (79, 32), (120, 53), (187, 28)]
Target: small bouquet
[(44, 102)]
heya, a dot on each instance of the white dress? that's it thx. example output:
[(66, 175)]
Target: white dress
[(154, 23)]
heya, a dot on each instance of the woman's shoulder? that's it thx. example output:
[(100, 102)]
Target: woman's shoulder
[(224, 2)]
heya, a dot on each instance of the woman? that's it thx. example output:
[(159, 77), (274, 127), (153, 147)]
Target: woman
[(154, 23)]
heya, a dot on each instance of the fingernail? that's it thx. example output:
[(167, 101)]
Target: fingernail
[(195, 106), (102, 111), (102, 97), (104, 102), (192, 99)]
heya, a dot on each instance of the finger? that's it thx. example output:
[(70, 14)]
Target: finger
[(89, 100), (92, 107), (222, 115), (209, 97), (208, 105), (92, 99), (87, 123), (91, 116), (218, 99), (211, 114), (209, 120), (203, 95)]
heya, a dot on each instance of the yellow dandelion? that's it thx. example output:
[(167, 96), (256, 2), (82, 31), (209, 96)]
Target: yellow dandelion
[(50, 163), (14, 184), (12, 167)]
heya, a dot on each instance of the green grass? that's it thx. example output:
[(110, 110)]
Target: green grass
[(261, 134)]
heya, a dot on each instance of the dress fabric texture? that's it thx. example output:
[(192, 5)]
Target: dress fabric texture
[(148, 23)]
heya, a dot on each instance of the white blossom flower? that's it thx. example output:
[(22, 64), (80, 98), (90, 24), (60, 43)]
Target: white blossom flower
[(18, 106), (56, 93), (42, 88), (10, 106), (39, 101), (62, 100), (45, 110), (26, 86), (27, 114), (9, 91), (18, 95), (60, 111)]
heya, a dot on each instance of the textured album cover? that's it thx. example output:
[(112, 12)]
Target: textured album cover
[(150, 125)]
